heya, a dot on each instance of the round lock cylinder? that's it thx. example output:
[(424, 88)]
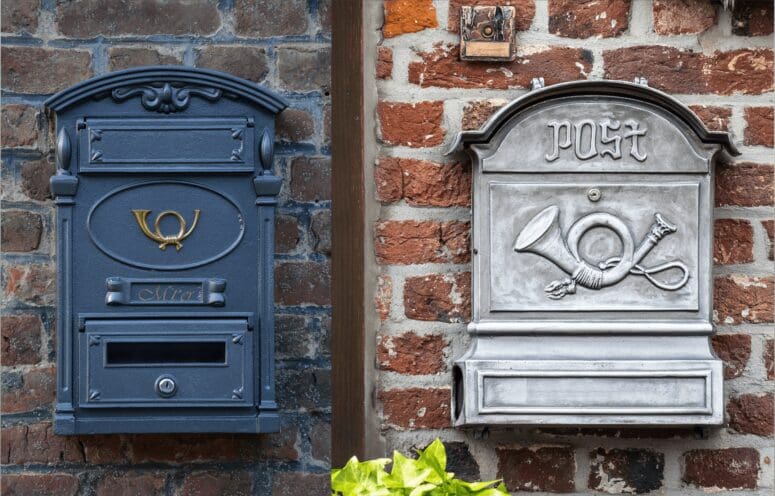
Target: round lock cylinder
[(166, 386)]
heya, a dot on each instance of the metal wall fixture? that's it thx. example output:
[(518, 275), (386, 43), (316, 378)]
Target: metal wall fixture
[(487, 32), (165, 238), (592, 257)]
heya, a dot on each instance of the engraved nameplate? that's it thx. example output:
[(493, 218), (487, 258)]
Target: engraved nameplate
[(125, 291)]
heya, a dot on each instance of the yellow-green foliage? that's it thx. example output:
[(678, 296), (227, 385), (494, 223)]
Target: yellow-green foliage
[(425, 476)]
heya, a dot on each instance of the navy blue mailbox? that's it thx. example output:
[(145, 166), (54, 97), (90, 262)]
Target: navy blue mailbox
[(165, 234)]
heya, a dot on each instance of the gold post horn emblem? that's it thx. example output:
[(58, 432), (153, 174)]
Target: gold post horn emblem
[(141, 216)]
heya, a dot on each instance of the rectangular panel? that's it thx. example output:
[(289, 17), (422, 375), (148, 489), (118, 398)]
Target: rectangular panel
[(548, 242), (204, 362), (594, 392), (158, 291), (154, 145)]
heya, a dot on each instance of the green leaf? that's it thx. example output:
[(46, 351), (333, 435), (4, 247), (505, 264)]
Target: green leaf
[(435, 458), (407, 473)]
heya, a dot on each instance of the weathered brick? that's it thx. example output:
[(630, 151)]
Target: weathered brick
[(411, 353), (320, 441), (293, 340), (213, 448), (43, 70), (730, 468), (423, 183), (311, 179), (734, 350), (624, 433), (126, 57), (744, 185), (19, 16), (475, 114), (212, 483), (768, 355), (416, 408), (746, 71), (438, 297), (247, 62), (20, 231), (36, 175), (270, 18), (461, 462), (304, 69), (743, 299), (32, 284), (524, 11), (384, 296), (384, 63), (415, 125), (442, 67), (37, 444), (91, 18), (413, 242), (408, 16), (19, 126), (549, 469), (769, 228), (286, 233), (752, 414), (617, 471), (303, 283), (752, 18), (39, 484), (295, 483), (714, 118), (574, 19), (759, 126), (124, 483), (308, 389), (733, 241), (324, 15), (295, 125), (683, 16), (321, 231), (21, 339), (30, 390)]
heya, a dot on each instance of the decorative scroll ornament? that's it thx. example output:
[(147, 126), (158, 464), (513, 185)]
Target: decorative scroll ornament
[(542, 236), (141, 216), (165, 98)]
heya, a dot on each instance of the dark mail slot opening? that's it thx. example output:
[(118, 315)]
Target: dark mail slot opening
[(157, 352)]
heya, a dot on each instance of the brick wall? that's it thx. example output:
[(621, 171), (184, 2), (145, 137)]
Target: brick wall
[(718, 62), (48, 46)]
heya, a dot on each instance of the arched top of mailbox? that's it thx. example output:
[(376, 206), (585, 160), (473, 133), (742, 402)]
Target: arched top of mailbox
[(596, 91), (167, 85)]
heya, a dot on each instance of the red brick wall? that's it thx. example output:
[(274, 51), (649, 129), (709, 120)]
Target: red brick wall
[(718, 62), (48, 46)]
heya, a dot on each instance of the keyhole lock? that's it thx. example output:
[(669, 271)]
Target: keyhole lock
[(166, 386), (594, 194)]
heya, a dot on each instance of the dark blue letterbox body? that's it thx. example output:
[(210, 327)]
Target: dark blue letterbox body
[(165, 235)]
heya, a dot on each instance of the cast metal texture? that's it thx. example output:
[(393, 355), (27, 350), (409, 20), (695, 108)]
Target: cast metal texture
[(592, 257), (165, 201)]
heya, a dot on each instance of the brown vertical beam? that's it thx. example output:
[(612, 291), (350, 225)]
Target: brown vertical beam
[(347, 255)]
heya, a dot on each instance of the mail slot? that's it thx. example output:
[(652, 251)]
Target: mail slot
[(592, 290), (166, 200)]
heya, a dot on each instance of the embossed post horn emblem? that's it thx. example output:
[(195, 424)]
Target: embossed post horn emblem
[(542, 236), (141, 216)]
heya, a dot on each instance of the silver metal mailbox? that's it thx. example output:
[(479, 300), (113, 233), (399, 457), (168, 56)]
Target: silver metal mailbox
[(592, 258)]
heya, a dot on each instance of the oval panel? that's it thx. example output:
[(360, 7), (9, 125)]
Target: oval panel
[(183, 239)]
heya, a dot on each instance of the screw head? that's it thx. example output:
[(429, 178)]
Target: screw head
[(594, 194)]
